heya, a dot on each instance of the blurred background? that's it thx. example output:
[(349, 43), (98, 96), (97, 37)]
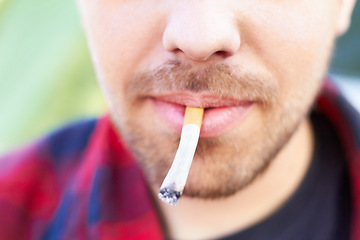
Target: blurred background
[(46, 76)]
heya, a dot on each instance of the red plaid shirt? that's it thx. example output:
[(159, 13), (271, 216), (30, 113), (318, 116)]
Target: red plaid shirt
[(82, 183)]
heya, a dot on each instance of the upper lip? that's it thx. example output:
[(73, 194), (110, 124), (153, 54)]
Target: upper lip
[(203, 100)]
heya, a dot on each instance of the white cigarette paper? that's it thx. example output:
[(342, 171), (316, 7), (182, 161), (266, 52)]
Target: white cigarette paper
[(174, 182)]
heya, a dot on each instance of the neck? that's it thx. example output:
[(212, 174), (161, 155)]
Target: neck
[(206, 219)]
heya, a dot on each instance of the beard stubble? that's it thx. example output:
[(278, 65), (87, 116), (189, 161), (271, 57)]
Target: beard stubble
[(222, 165)]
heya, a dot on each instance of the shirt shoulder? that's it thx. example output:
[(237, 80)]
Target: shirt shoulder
[(349, 86), (32, 179), (58, 147)]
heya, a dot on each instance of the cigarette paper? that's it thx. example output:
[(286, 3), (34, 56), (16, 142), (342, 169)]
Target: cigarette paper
[(174, 182)]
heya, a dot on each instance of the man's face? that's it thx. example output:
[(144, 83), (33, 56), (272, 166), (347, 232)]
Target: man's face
[(255, 66)]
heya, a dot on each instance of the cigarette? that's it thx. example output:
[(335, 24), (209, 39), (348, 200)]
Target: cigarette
[(174, 182)]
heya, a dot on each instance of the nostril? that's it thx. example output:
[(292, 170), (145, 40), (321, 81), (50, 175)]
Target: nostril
[(177, 50), (222, 54), (199, 55)]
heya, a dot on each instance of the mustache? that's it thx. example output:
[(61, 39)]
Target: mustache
[(221, 80)]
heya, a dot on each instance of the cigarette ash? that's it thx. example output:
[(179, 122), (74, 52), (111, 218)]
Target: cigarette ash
[(169, 196)]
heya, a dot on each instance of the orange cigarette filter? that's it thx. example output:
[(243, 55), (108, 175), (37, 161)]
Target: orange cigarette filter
[(193, 115)]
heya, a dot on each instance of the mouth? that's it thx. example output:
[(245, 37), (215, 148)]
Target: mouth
[(220, 114)]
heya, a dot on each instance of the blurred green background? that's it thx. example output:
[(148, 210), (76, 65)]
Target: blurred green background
[(46, 76)]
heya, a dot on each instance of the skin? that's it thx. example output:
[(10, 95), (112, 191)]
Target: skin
[(274, 53)]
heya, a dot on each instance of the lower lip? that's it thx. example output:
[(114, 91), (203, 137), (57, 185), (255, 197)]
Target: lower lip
[(216, 120)]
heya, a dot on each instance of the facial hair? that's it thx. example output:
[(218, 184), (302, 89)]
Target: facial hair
[(225, 164)]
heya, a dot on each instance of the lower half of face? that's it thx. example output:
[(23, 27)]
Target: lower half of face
[(270, 81), (232, 154)]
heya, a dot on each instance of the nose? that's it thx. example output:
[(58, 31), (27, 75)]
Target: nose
[(200, 30)]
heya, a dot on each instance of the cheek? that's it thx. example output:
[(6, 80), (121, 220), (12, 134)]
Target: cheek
[(119, 41), (293, 40), (293, 30)]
